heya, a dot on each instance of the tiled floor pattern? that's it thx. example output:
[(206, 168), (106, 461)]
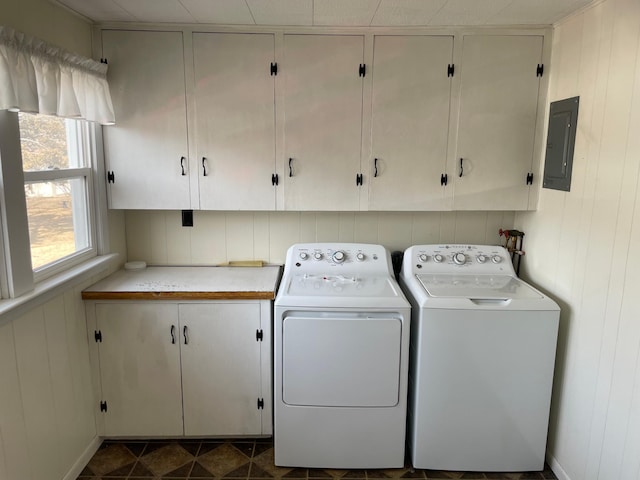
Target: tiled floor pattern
[(241, 459)]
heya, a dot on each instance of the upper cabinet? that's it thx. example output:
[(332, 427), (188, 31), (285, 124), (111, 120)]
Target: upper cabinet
[(301, 120), (146, 151), (500, 83), (410, 122), (235, 120), (322, 121)]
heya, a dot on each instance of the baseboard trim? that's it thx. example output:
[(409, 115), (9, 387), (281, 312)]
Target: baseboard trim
[(556, 467), (79, 465)]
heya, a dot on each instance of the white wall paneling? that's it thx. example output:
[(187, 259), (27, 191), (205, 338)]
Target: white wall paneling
[(218, 237), (581, 247)]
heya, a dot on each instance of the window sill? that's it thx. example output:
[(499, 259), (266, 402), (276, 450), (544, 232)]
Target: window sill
[(45, 290)]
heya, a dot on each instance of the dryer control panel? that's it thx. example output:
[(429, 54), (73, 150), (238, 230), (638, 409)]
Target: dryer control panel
[(458, 258), (345, 258)]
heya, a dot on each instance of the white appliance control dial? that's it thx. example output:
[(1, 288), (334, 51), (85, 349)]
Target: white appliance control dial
[(360, 257), (481, 258), (423, 257), (496, 259), (438, 258), (304, 255), (338, 256), (317, 256), (459, 258)]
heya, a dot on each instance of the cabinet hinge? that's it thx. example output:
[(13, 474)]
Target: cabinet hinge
[(358, 179), (274, 69), (261, 404), (540, 70), (259, 335), (362, 70), (274, 179), (111, 177), (104, 60), (443, 179), (97, 334), (103, 406), (530, 178), (450, 69)]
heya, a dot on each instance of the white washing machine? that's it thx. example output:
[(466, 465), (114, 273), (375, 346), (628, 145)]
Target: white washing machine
[(341, 347), (483, 347)]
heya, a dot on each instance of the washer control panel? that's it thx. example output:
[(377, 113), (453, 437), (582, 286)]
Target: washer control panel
[(458, 258), (347, 257)]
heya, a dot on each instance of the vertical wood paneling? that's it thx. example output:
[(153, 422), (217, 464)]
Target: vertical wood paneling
[(327, 226), (613, 206), (84, 403), (12, 425), (158, 237), (208, 239), (627, 338), (581, 246), (425, 228), (366, 227), (284, 231), (178, 243), (137, 233), (240, 236), (37, 395), (64, 400), (218, 237), (394, 230), (346, 227), (261, 235)]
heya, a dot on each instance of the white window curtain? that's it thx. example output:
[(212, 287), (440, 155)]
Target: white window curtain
[(37, 77)]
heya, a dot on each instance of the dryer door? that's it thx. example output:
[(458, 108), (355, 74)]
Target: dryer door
[(341, 359)]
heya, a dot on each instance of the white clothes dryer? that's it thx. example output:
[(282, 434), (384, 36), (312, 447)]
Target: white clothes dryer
[(341, 352), (483, 346)]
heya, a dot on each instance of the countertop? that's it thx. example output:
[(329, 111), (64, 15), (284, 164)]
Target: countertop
[(188, 283)]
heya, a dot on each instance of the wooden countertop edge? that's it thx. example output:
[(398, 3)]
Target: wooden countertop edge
[(178, 295)]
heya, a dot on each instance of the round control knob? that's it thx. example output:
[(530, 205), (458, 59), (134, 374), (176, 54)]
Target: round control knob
[(338, 256), (360, 257), (304, 255), (496, 259), (481, 258), (438, 258), (317, 256), (423, 257), (459, 258)]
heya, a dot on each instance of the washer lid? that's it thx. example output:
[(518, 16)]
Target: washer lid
[(477, 287)]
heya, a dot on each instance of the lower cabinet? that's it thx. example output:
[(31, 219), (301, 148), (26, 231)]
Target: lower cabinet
[(173, 369)]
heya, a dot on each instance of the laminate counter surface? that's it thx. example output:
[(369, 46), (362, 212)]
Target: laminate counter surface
[(188, 283)]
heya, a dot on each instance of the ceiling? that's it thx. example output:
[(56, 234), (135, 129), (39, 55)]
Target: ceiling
[(329, 12)]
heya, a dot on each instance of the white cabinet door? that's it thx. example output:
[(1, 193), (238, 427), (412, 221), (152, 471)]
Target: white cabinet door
[(140, 368), (410, 122), (147, 148), (323, 118), (221, 368), (235, 120), (497, 123)]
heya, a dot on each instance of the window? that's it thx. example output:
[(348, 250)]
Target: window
[(56, 159)]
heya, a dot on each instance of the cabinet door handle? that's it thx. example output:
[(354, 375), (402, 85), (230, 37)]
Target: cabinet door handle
[(461, 169), (184, 334), (204, 166), (182, 159), (375, 167), (173, 334), (290, 167)]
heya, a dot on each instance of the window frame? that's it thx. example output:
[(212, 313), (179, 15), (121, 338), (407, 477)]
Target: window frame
[(17, 276), (78, 144)]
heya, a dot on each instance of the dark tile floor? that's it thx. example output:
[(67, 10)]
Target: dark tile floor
[(237, 459)]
